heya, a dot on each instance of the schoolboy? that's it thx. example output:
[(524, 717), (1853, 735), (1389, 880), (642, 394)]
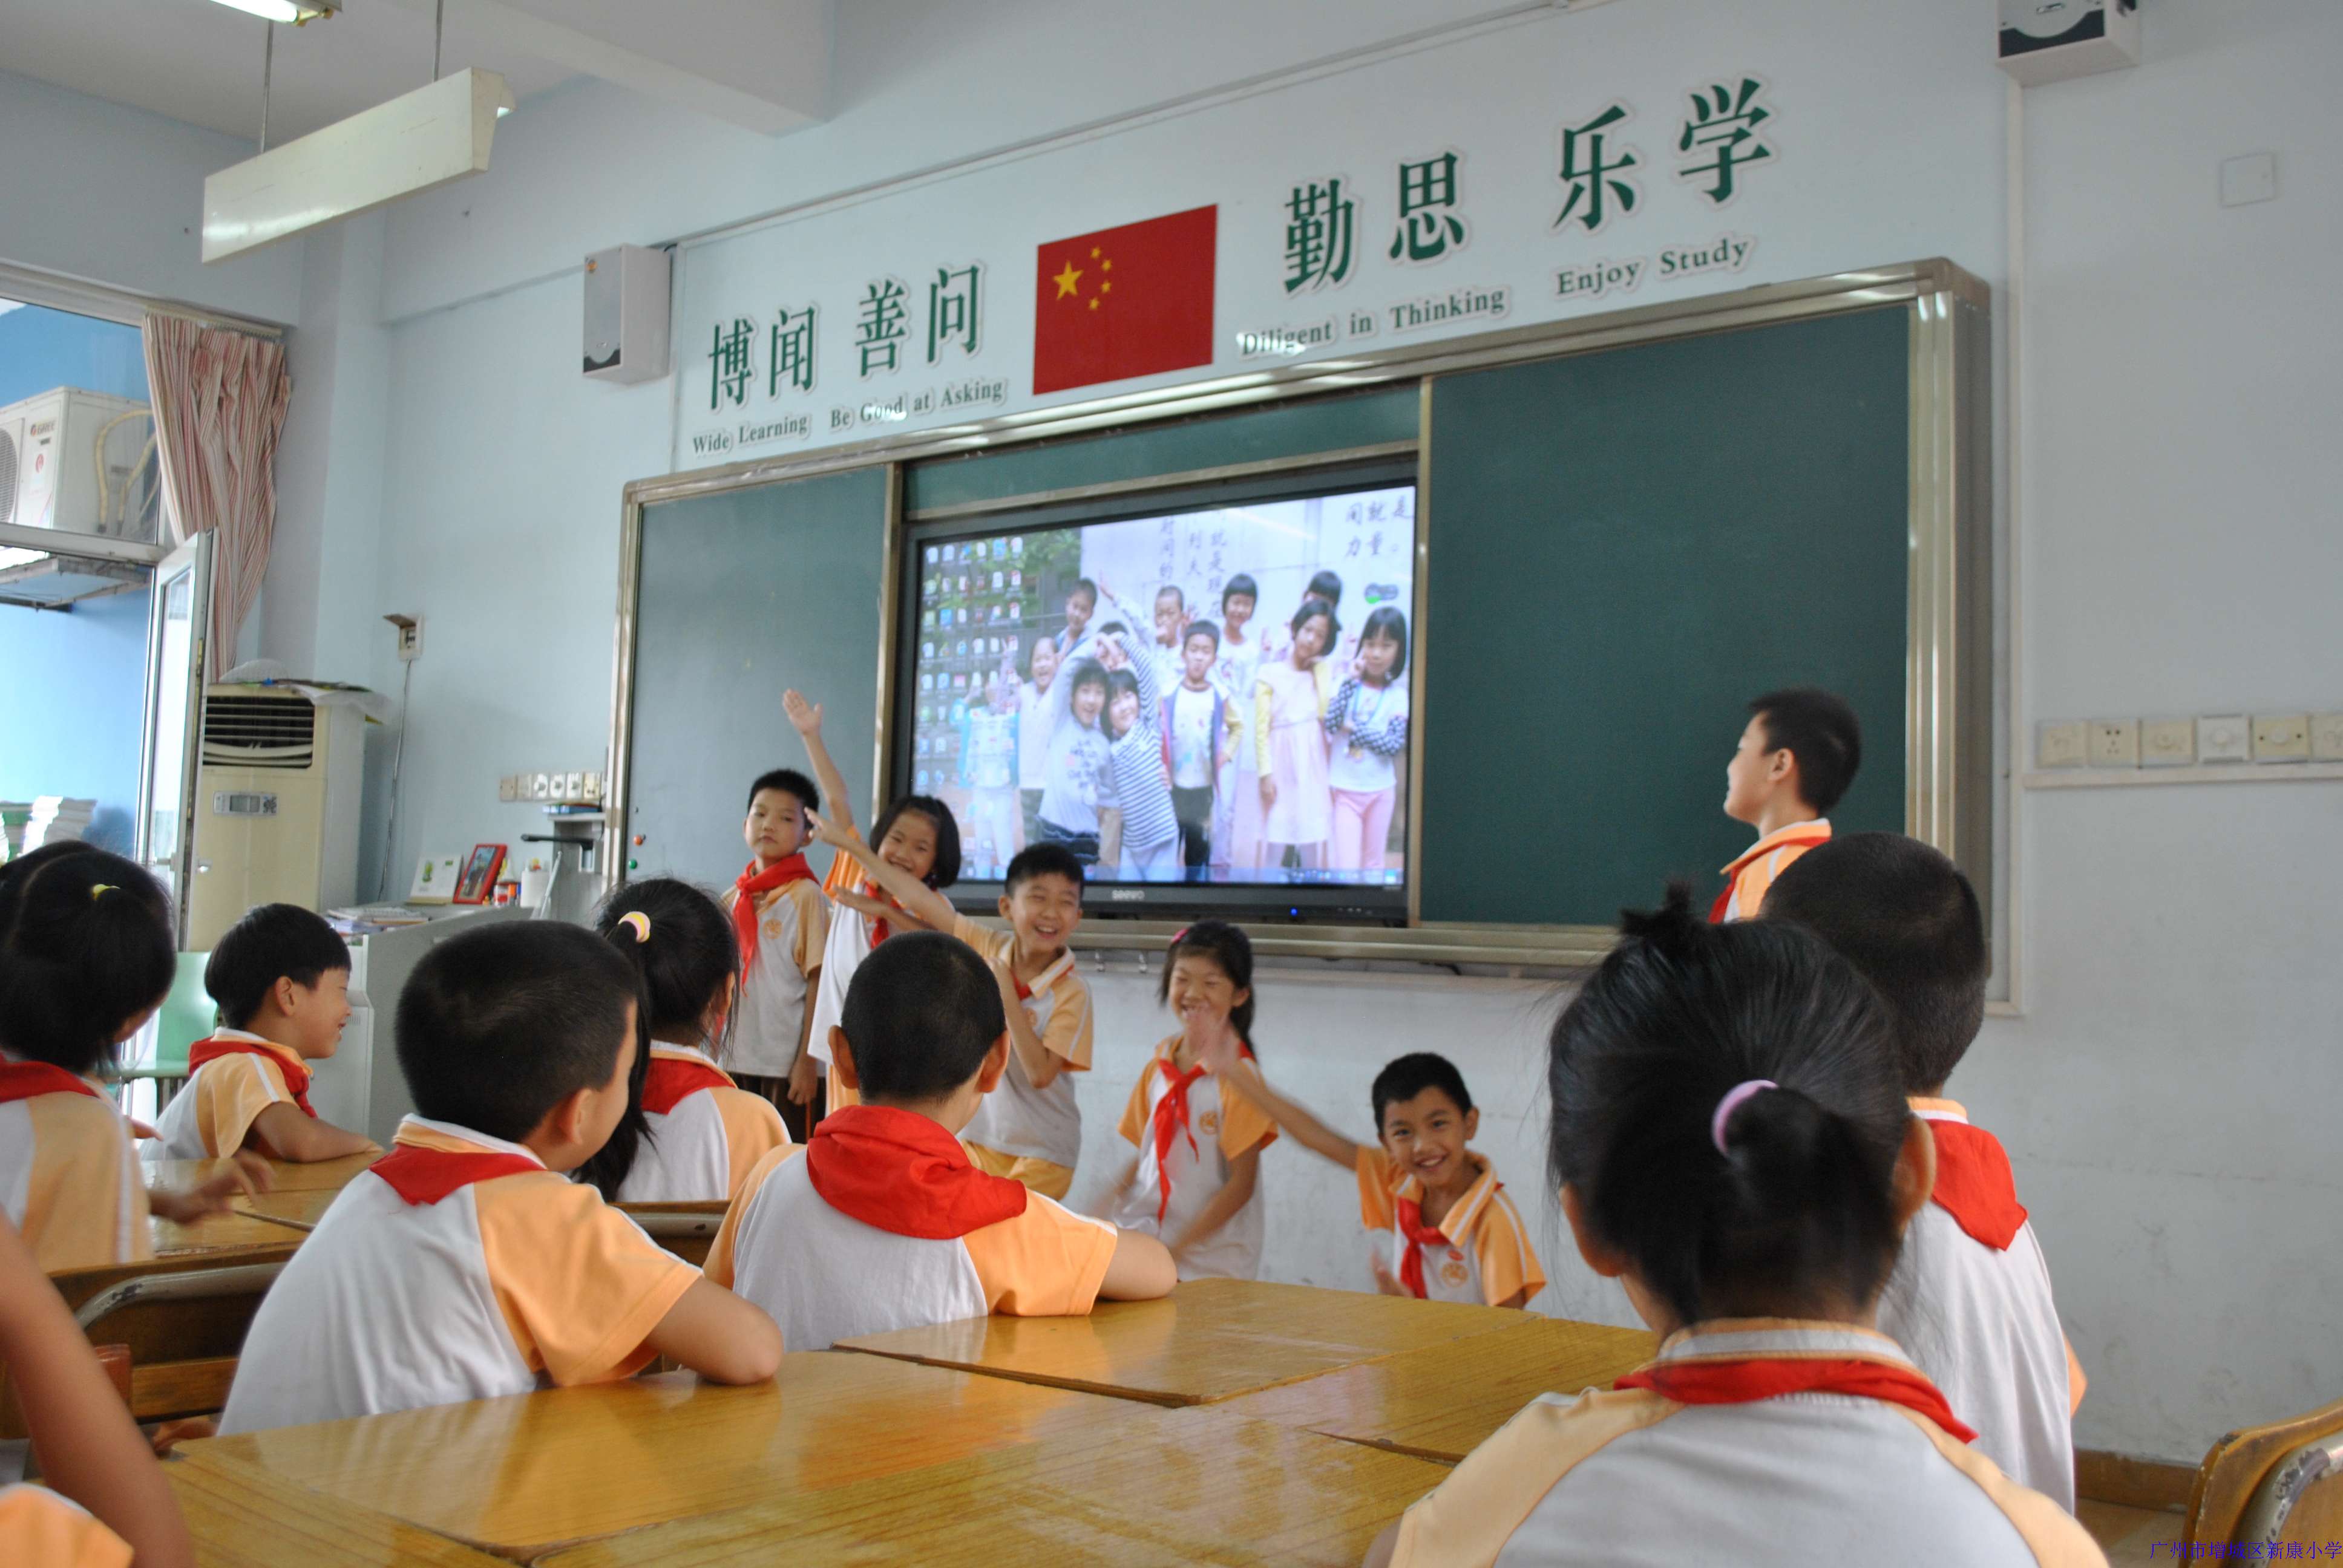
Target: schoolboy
[(1081, 603), (1236, 825), (281, 980), (465, 1263), (884, 1222), (782, 919), (1440, 1225), (1970, 1299), (1198, 732), (1028, 1129), (1798, 753)]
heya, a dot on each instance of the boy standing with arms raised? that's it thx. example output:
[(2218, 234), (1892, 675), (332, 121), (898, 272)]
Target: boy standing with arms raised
[(1797, 755), (1030, 1129)]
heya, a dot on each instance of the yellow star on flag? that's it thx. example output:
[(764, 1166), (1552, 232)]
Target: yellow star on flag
[(1067, 279)]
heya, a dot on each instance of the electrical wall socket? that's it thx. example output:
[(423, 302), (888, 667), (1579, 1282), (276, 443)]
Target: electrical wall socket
[(2224, 738), (509, 788), (573, 786), (2281, 738), (2327, 738), (2167, 743), (2066, 745), (593, 790), (2114, 743), (540, 787)]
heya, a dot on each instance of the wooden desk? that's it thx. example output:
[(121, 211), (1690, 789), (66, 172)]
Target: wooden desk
[(226, 1236), (1443, 1401), (522, 1475), (245, 1518), (1209, 1339), (1165, 1487), (300, 1209), (324, 1175)]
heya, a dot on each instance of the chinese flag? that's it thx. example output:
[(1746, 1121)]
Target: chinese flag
[(1123, 302)]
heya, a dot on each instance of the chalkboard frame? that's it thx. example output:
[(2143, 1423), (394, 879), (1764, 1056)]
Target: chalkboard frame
[(1948, 717)]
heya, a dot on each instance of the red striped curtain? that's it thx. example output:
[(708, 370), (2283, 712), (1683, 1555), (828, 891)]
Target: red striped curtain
[(220, 406)]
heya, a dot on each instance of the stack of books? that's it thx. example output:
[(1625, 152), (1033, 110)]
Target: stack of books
[(56, 818)]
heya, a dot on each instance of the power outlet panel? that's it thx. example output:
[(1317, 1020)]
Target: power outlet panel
[(2281, 738), (509, 788), (540, 787), (2167, 743), (2327, 738), (2066, 745), (2114, 743), (2224, 738)]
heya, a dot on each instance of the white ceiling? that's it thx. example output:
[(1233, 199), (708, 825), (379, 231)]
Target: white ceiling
[(198, 62)]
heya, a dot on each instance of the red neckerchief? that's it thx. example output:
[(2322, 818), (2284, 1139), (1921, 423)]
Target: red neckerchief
[(1172, 1118), (1747, 1380), (750, 883), (424, 1176), (904, 1175), (1419, 1236), (1716, 912), (30, 1079), (297, 1077), (879, 929), (1974, 1184), (669, 1080)]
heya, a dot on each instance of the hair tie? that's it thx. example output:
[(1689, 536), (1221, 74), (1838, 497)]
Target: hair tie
[(1731, 1103), (638, 922), (1181, 935), (97, 889)]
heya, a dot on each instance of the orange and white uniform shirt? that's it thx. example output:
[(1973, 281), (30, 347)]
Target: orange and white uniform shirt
[(1018, 1120), (705, 1132), (1478, 1253), (41, 1529), (880, 1222), (852, 936), (233, 1077), (792, 925), (1191, 1129), (1970, 1301), (69, 1175), (1753, 872), (457, 1268), (1760, 1442)]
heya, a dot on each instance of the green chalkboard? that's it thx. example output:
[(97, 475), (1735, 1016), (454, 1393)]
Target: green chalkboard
[(744, 594), (1625, 547), (1299, 430)]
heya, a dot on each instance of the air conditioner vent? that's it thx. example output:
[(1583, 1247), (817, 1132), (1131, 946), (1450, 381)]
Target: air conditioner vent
[(260, 731)]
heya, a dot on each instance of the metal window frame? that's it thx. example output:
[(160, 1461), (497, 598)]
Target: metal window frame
[(1947, 739)]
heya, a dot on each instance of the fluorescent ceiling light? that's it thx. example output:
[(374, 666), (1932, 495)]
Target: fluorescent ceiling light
[(293, 11), (411, 144)]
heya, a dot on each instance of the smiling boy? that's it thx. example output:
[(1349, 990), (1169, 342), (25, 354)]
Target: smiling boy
[(781, 920), (1443, 1228)]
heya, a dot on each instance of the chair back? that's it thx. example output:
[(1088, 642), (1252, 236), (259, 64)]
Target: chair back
[(2280, 1485), (185, 1016)]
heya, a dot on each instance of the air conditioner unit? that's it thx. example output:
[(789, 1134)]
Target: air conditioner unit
[(277, 806), (81, 462)]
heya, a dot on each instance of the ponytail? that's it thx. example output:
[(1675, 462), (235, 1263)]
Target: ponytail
[(87, 948), (1725, 1101)]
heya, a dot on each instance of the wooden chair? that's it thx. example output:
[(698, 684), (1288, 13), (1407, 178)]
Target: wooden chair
[(182, 1319), (2280, 1484)]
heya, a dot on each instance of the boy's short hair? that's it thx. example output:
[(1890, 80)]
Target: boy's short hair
[(1172, 590), (1087, 589), (497, 1027), (1904, 917), (1241, 583), (1821, 731), (273, 942), (1041, 860), (789, 780), (1405, 1077), (1202, 629), (920, 1014), (1086, 672)]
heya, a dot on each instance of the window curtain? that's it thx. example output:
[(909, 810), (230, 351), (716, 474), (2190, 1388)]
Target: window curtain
[(219, 401)]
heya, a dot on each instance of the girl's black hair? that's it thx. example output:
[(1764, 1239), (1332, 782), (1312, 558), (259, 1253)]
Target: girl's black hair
[(1315, 606), (1796, 1214), (1086, 672), (946, 870), (1226, 946), (85, 946), (1385, 620), (1326, 585), (1119, 681), (1241, 583)]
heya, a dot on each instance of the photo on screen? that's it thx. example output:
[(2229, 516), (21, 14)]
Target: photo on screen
[(1213, 699)]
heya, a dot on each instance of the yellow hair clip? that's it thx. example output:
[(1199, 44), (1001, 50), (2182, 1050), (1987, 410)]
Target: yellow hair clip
[(638, 922), (98, 888)]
